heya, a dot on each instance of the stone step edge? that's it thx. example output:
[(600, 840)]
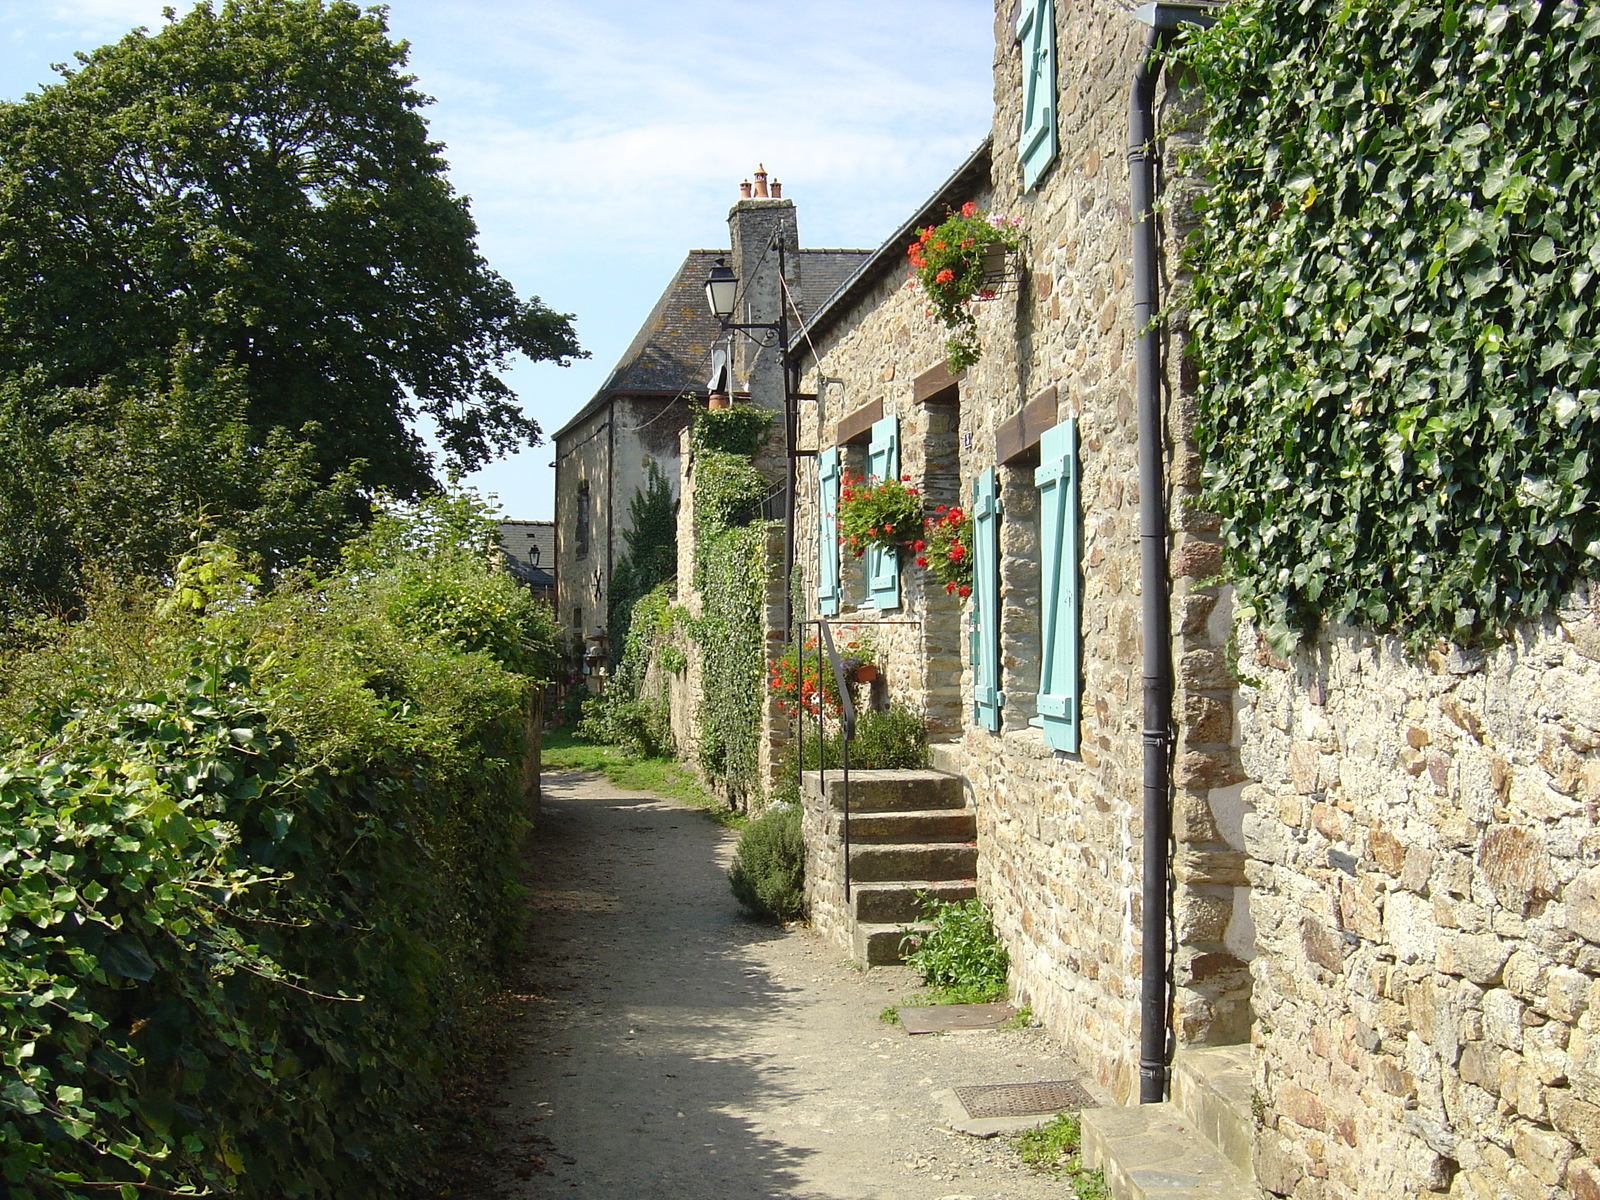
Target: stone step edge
[(1211, 1086), (1153, 1152)]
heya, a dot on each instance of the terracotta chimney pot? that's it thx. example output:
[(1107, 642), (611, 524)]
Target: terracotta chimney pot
[(777, 190), (744, 190), (761, 182)]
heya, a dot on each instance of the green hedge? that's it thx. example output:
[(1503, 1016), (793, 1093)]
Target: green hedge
[(257, 863), (1395, 309)]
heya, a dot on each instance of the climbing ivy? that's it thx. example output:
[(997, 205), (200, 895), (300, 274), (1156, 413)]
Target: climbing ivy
[(1394, 309), (732, 577)]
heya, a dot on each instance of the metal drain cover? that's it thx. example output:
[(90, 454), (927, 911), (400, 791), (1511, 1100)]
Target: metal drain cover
[(950, 1018), (984, 1101)]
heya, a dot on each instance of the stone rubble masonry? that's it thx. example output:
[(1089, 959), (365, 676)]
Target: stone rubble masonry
[(1424, 847), (1060, 835)]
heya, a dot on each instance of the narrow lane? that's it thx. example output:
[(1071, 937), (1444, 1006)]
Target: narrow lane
[(672, 1049)]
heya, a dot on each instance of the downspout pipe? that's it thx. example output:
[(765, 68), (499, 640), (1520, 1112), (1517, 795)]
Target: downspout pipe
[(1155, 585)]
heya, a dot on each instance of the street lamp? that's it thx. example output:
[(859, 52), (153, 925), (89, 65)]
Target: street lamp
[(722, 291), (722, 288)]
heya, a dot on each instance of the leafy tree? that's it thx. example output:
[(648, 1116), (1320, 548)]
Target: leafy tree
[(117, 478), (652, 557), (255, 183)]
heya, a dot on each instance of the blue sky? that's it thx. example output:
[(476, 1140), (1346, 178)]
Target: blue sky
[(600, 141)]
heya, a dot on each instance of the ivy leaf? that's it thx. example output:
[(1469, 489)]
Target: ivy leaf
[(1544, 250)]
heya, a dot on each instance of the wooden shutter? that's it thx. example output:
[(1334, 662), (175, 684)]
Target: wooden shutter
[(1059, 699), (828, 532), (883, 566), (985, 618), (1036, 30)]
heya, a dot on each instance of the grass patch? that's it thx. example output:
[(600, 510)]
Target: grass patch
[(1021, 1019), (890, 1015), (563, 750), (1056, 1148)]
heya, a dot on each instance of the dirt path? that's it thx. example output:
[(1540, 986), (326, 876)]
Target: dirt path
[(674, 1050)]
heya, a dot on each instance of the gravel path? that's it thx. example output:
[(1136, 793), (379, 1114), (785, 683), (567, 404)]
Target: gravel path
[(671, 1049)]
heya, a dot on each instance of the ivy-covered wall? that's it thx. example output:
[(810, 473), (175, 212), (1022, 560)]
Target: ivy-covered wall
[(1395, 309)]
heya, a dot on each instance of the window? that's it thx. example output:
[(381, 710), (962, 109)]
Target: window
[(581, 533), (1036, 31)]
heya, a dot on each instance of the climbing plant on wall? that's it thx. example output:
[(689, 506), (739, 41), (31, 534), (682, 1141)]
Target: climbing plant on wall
[(731, 575), (1395, 309)]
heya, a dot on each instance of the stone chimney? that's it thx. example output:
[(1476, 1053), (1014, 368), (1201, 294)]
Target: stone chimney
[(755, 223)]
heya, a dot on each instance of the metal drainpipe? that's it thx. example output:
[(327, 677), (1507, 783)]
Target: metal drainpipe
[(1153, 579)]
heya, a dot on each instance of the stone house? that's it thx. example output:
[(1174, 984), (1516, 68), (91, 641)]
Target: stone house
[(633, 424), (1342, 908)]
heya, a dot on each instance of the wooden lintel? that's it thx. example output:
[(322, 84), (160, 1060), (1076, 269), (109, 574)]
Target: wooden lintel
[(1016, 439), (937, 386), (857, 426)]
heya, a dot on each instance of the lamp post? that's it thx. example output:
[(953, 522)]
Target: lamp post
[(722, 296)]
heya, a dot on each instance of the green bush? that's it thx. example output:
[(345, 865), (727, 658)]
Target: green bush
[(741, 429), (640, 728), (768, 874), (961, 954), (894, 738), (258, 856)]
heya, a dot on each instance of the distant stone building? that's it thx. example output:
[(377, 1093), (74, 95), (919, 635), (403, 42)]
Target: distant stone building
[(605, 453)]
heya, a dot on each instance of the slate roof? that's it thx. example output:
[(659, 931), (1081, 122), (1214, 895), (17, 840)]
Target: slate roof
[(671, 353), (530, 550)]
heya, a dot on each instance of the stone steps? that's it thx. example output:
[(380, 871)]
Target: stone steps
[(878, 945), (892, 791), (1195, 1146), (894, 862), (896, 902), (930, 825), (910, 832)]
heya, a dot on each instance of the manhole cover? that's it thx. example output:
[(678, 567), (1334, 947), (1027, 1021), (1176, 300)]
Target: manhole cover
[(986, 1100), (944, 1018)]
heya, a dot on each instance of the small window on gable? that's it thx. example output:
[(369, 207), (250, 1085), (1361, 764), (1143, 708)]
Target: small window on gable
[(1036, 31), (580, 535)]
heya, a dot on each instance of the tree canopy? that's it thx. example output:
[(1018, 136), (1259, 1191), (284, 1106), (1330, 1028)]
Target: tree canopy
[(253, 186)]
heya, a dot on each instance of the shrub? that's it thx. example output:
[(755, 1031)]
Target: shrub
[(961, 953), (640, 728), (256, 986), (769, 867), (891, 739), (894, 738), (740, 429)]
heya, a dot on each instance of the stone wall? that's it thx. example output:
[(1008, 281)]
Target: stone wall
[(1424, 849)]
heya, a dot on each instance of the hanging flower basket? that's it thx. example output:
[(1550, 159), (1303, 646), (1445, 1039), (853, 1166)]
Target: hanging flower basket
[(807, 681), (945, 550), (957, 263), (886, 513)]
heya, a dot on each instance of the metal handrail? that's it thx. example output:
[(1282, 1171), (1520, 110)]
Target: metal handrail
[(847, 721)]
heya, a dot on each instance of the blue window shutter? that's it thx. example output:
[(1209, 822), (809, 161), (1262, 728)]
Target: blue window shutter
[(883, 566), (828, 532), (1036, 30), (986, 695), (1060, 700)]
